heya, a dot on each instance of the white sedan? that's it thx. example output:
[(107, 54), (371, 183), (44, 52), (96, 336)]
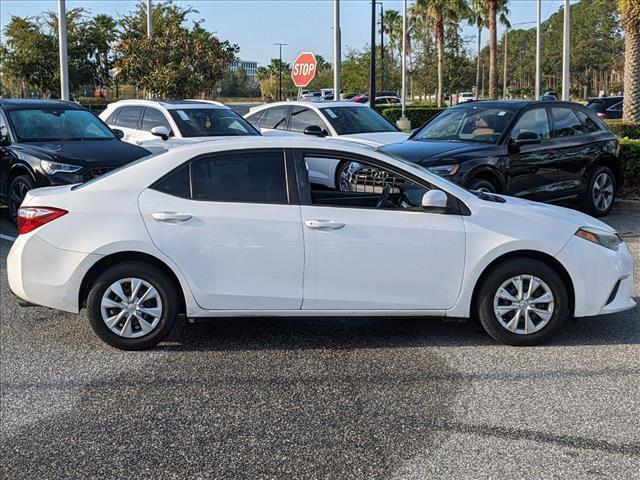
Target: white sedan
[(349, 121), (233, 228)]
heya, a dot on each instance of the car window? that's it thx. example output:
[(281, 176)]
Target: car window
[(257, 177), (128, 117), (533, 121), (588, 124), (474, 124), (154, 118), (616, 108), (350, 120), (302, 117), (565, 122), (111, 119), (275, 118), (178, 183), (254, 119), (50, 124), (210, 122)]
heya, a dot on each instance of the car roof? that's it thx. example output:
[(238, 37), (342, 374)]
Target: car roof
[(26, 103), (515, 104), (302, 103), (169, 104)]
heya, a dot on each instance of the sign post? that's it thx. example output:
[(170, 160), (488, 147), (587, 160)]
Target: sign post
[(303, 70)]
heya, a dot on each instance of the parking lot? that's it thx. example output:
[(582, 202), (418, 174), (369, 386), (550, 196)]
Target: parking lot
[(320, 398)]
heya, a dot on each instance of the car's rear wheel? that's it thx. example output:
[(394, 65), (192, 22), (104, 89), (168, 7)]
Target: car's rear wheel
[(132, 306), (18, 189), (601, 192), (523, 302)]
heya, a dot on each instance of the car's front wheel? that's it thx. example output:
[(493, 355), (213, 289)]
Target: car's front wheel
[(522, 302), (601, 192), (132, 306), (18, 189)]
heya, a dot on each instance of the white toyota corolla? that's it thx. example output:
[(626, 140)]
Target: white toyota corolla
[(233, 228)]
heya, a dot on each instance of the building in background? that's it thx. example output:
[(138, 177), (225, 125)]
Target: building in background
[(249, 67)]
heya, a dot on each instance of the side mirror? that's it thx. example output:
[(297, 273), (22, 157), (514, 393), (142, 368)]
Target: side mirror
[(119, 133), (160, 131), (525, 138), (314, 130), (434, 199)]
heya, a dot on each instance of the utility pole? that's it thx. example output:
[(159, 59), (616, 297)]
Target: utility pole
[(482, 91), (372, 72), (62, 43), (404, 123), (566, 74), (381, 45), (504, 79), (336, 50), (149, 22), (280, 45), (538, 49)]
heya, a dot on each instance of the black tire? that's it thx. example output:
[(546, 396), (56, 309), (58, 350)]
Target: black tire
[(502, 273), (18, 188), (591, 203), (156, 278), (482, 185)]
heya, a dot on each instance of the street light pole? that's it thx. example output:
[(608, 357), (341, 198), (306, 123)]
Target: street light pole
[(336, 50), (149, 22), (404, 123), (566, 78), (504, 79), (381, 45), (280, 45), (538, 49), (62, 43), (372, 69)]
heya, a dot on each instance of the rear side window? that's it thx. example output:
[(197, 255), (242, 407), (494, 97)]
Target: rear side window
[(177, 183), (256, 177), (565, 123), (588, 124), (154, 118), (275, 118), (128, 117)]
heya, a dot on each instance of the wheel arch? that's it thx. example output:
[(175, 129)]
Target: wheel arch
[(123, 257), (545, 258), (490, 174), (19, 169), (612, 162)]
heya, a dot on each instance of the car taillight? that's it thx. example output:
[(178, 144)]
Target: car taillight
[(30, 218), (602, 115)]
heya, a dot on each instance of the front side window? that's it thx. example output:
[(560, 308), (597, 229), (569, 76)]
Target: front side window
[(256, 177), (128, 117), (467, 124), (533, 121), (302, 118), (254, 119), (210, 122), (565, 123), (154, 118), (350, 120), (46, 125), (275, 118)]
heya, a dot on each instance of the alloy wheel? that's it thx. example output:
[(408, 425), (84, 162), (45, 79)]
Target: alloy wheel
[(131, 307), (19, 189), (602, 191), (524, 304)]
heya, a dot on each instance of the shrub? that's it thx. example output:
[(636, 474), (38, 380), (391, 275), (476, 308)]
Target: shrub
[(630, 156), (417, 115), (96, 105), (623, 129)]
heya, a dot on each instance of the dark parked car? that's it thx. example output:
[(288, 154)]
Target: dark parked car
[(53, 142), (541, 150), (606, 107)]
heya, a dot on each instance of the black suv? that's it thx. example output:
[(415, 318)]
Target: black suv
[(53, 142), (606, 107), (541, 150)]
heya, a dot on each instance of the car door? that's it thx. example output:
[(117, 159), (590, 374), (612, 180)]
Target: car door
[(531, 168), (128, 120), (359, 257), (576, 148), (232, 225)]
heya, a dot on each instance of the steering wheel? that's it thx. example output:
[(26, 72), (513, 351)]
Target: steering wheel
[(384, 196)]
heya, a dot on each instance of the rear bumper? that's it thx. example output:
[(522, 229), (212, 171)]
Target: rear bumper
[(595, 272), (41, 274)]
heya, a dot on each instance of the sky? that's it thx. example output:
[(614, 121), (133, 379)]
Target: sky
[(255, 25)]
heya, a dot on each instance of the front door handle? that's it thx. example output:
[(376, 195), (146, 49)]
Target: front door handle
[(323, 224), (171, 217)]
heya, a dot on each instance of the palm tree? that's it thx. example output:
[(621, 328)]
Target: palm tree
[(392, 22), (478, 18), (441, 11), (630, 10), (493, 8)]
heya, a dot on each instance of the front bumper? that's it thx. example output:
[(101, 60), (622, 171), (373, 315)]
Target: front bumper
[(595, 272), (42, 274)]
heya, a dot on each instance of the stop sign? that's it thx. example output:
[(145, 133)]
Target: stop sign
[(303, 69)]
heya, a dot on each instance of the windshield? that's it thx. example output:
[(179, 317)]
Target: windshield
[(211, 122), (468, 124), (48, 125), (348, 120)]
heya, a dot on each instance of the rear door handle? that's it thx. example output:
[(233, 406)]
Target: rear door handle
[(323, 224), (171, 217)]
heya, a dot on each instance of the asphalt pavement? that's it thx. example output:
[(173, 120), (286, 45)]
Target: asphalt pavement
[(336, 398)]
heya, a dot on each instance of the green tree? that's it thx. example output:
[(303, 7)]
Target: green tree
[(495, 8), (630, 10), (392, 23), (478, 18)]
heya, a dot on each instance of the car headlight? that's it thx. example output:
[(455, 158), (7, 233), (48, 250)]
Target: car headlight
[(445, 170), (606, 239), (55, 167)]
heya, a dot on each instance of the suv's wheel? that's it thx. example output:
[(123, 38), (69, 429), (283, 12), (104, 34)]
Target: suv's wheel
[(132, 306), (523, 302), (482, 185), (18, 188), (601, 192)]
